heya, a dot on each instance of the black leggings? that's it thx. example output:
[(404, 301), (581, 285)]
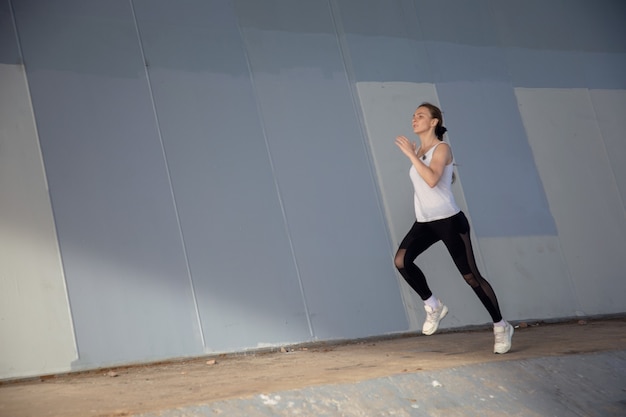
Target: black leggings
[(454, 233)]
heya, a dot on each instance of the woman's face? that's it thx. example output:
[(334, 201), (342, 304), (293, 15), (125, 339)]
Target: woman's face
[(422, 120)]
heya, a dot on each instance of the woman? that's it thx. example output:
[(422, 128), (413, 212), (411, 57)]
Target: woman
[(439, 218)]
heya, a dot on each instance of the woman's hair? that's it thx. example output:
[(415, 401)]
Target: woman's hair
[(435, 113)]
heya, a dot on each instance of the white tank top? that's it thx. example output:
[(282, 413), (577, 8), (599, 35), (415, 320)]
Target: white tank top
[(433, 203)]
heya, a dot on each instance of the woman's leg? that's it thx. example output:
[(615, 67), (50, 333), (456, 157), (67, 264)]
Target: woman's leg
[(454, 232), (419, 238)]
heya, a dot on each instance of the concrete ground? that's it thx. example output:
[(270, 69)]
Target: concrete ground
[(575, 368)]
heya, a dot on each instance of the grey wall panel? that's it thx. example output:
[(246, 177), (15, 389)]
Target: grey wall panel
[(500, 180), (457, 22), (531, 68), (388, 59), (86, 37), (8, 42), (383, 41), (122, 253), (541, 68), (561, 25), (286, 16), (392, 18), (464, 52), (608, 107), (222, 194), (606, 70), (576, 168), (455, 62), (572, 44), (322, 171), (242, 266), (36, 334)]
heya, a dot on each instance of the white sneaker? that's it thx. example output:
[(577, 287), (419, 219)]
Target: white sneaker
[(433, 317), (503, 335)]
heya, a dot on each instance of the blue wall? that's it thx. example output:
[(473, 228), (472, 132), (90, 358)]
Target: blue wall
[(216, 198), (210, 177)]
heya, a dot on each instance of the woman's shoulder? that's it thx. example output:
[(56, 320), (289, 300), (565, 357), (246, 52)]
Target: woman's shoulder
[(442, 147), (443, 150)]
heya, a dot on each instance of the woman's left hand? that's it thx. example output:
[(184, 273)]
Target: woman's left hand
[(406, 146)]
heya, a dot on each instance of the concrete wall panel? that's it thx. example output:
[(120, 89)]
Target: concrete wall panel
[(243, 270), (222, 174), (578, 175), (608, 106), (36, 334), (530, 276), (124, 262), (322, 170), (494, 160)]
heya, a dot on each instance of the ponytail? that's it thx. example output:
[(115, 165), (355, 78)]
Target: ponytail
[(440, 130)]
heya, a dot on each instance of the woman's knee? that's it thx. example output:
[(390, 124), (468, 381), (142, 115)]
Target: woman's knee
[(399, 259), (471, 280)]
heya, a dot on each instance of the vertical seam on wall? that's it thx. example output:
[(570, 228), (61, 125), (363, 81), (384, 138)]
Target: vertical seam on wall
[(275, 179), (335, 16), (606, 151), (169, 177), (350, 79), (45, 178)]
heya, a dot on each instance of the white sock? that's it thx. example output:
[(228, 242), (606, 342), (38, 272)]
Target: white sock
[(432, 302), (501, 323)]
